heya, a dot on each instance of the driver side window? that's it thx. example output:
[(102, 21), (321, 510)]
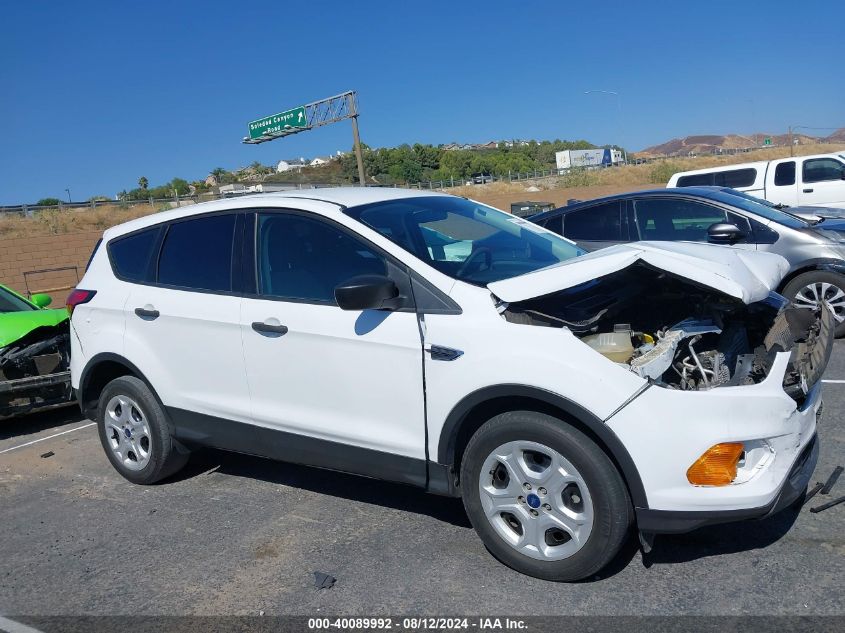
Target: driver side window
[(677, 219), (304, 259)]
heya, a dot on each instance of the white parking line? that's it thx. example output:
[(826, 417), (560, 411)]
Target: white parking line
[(835, 382), (15, 627), (49, 437)]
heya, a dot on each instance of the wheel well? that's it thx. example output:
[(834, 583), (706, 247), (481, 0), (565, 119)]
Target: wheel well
[(800, 271), (482, 412), (95, 380)]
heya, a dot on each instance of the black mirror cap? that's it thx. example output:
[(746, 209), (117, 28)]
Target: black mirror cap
[(367, 292), (724, 233)]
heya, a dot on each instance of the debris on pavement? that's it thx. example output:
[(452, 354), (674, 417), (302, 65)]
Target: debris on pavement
[(827, 505), (812, 493), (47, 454), (323, 581), (832, 480)]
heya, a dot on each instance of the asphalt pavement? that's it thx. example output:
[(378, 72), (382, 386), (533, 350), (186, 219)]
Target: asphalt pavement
[(241, 536)]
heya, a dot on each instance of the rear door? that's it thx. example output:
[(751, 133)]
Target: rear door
[(183, 326), (597, 226), (344, 387), (822, 183)]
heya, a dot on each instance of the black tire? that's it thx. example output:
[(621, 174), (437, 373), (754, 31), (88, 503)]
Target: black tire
[(817, 277), (165, 457), (612, 510)]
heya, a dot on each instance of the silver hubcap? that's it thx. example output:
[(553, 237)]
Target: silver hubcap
[(128, 432), (536, 500), (812, 295)]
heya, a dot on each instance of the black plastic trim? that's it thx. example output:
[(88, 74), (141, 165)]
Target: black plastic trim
[(448, 436), (241, 437), (678, 522), (85, 405)]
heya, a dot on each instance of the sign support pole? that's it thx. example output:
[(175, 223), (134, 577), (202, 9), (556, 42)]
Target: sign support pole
[(359, 157)]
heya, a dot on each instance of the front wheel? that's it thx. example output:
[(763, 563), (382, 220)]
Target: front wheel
[(809, 290), (543, 497)]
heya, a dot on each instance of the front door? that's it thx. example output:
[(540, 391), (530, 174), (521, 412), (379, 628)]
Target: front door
[(822, 183), (344, 388)]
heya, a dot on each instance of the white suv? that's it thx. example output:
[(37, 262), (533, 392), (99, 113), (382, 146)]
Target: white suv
[(435, 341)]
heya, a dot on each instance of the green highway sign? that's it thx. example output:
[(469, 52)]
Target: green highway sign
[(276, 123), (767, 141)]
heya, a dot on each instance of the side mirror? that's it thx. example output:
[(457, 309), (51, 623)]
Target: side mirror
[(367, 292), (41, 300), (724, 233)]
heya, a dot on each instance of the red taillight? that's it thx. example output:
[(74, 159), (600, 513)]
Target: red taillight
[(78, 297)]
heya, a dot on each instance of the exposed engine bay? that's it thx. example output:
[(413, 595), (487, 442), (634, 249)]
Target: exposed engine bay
[(680, 335), (34, 370)]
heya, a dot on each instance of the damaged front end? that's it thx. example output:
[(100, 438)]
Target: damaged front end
[(679, 334), (34, 370)]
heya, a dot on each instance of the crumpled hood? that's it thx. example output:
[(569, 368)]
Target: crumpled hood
[(15, 325), (746, 275)]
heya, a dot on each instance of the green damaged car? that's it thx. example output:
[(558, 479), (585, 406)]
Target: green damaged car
[(34, 354)]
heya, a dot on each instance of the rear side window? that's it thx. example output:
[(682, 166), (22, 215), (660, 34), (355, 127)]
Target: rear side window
[(197, 254), (821, 169), (601, 223), (554, 223), (132, 256), (785, 174), (695, 180), (730, 178), (735, 177)]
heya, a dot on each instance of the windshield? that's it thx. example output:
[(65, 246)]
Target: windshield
[(758, 207), (10, 302), (466, 240)]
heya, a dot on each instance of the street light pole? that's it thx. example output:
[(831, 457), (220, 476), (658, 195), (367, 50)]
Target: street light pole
[(68, 194), (618, 108)]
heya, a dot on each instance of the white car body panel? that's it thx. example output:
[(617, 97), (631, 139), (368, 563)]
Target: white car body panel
[(345, 376), (740, 274), (185, 348)]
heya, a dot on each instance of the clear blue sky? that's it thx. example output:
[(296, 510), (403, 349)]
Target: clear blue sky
[(97, 94)]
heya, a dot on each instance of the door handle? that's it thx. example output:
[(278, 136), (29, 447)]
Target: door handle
[(147, 314), (267, 328), (808, 191)]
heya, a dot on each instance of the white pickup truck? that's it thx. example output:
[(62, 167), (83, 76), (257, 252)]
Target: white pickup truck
[(817, 180)]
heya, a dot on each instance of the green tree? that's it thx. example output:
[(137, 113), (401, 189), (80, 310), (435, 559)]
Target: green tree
[(180, 185), (48, 202), (143, 183)]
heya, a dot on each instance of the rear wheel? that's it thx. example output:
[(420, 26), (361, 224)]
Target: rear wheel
[(543, 497), (809, 290), (135, 432)]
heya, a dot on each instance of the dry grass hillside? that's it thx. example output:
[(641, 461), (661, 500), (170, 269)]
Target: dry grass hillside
[(596, 183), (582, 185), (54, 222)]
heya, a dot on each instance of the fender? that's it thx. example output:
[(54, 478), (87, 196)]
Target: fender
[(828, 264), (448, 436), (93, 362)]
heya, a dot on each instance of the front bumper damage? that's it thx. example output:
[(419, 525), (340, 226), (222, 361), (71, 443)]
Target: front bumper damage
[(666, 430), (34, 372)]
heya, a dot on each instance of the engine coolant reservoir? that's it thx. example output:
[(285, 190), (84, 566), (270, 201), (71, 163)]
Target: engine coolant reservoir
[(615, 346)]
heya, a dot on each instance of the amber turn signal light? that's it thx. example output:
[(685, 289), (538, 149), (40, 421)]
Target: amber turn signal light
[(717, 466)]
